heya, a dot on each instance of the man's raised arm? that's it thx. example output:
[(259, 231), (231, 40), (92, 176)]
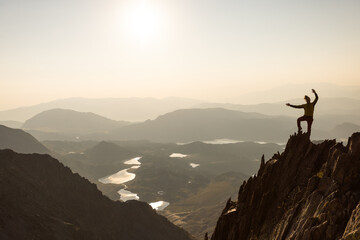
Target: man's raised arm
[(294, 106), (316, 96)]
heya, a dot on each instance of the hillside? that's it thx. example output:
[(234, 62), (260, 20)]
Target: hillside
[(345, 129), (19, 141), (208, 124), (100, 160), (310, 191), (65, 121), (42, 199), (11, 124)]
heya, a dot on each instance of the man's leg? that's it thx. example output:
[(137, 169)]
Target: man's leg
[(309, 121), (299, 120)]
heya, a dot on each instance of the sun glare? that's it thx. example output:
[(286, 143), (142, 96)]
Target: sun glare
[(142, 21)]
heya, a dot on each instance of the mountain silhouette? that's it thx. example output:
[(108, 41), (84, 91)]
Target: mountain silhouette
[(129, 109), (208, 124), (70, 122), (20, 141), (42, 199), (11, 124), (310, 191)]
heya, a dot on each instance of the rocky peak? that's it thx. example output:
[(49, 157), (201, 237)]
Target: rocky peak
[(310, 191)]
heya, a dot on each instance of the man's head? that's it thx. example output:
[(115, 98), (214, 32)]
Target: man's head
[(307, 99)]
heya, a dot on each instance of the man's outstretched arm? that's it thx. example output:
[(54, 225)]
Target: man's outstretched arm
[(316, 96), (294, 106)]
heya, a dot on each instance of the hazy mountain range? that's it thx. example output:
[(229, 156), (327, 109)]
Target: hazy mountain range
[(126, 109), (179, 126), (184, 125), (342, 107), (334, 100)]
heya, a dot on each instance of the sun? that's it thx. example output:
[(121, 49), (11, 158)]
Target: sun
[(142, 21)]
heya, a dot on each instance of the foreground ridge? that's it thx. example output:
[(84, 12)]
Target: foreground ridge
[(309, 192), (42, 199)]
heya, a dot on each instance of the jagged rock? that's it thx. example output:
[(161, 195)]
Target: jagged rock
[(309, 192), (352, 230)]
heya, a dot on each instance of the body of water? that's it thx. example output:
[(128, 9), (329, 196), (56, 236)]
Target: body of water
[(118, 178), (222, 141), (194, 165), (122, 176), (126, 195), (133, 161), (160, 205), (178, 155)]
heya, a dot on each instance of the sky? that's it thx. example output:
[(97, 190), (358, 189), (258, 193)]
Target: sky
[(203, 49)]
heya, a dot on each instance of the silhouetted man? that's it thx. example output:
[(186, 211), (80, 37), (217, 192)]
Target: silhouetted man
[(309, 111)]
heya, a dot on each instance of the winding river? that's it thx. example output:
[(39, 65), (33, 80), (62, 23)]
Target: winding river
[(124, 176)]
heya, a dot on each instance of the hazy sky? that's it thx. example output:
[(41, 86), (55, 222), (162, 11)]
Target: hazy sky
[(202, 49)]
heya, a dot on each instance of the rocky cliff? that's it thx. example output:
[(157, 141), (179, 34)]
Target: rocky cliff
[(308, 192), (42, 199)]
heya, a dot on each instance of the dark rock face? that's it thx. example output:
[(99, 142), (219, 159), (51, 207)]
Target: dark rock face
[(309, 192), (42, 199)]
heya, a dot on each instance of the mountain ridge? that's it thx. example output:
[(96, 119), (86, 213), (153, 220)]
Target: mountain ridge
[(42, 199), (208, 124), (70, 121), (129, 109), (309, 192), (20, 141)]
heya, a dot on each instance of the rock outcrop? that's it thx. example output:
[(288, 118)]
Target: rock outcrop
[(42, 199), (308, 192)]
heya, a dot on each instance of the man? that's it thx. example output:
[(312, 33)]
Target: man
[(309, 111)]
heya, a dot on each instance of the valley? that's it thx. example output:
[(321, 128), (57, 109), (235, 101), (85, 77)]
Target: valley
[(164, 174)]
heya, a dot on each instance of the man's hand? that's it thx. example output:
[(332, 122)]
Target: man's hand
[(313, 90), (288, 104)]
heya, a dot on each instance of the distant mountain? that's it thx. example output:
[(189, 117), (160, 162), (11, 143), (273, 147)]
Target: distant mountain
[(64, 123), (310, 191), (42, 199), (345, 129), (19, 141), (328, 111), (103, 159), (109, 153), (129, 109), (184, 125), (12, 124), (66, 147), (208, 124)]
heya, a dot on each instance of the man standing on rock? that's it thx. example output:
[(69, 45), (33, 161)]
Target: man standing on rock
[(309, 111)]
